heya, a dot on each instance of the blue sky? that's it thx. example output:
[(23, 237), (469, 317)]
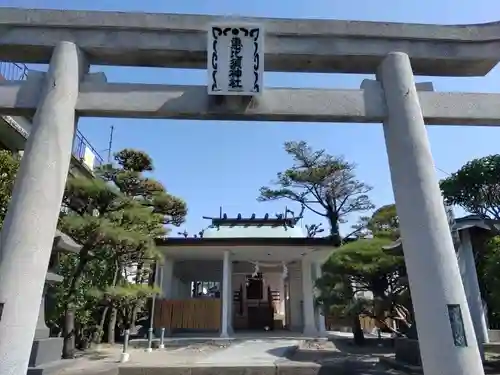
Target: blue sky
[(211, 164)]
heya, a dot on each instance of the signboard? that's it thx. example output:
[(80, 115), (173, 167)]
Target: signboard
[(89, 158), (235, 59)]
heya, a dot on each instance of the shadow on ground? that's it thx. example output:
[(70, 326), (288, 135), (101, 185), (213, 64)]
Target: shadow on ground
[(343, 356), (94, 355)]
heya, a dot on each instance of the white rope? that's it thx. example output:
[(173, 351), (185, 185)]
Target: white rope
[(258, 264), (265, 265), (256, 269), (285, 271)]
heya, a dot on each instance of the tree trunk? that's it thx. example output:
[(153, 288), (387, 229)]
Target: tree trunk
[(69, 333), (135, 311), (112, 326), (152, 275), (69, 311), (333, 221), (139, 273), (100, 328), (125, 315), (112, 317), (359, 336)]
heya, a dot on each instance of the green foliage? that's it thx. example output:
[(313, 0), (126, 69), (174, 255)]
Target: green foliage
[(134, 160), (475, 187), (98, 274), (322, 183), (364, 267), (367, 266), (9, 164), (128, 177), (385, 222), (488, 271), (116, 217), (125, 298)]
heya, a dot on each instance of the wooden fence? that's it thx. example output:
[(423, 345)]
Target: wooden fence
[(196, 313)]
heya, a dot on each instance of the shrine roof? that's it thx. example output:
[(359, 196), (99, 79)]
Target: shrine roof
[(476, 221), (279, 226), (246, 241), (461, 223), (280, 230), (242, 231)]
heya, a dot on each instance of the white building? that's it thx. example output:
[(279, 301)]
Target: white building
[(260, 272)]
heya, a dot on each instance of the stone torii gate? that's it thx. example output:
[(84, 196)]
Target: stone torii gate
[(71, 40)]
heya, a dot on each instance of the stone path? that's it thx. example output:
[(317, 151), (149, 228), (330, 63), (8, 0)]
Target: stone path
[(260, 352)]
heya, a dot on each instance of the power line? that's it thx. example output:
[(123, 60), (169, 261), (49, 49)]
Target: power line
[(443, 171)]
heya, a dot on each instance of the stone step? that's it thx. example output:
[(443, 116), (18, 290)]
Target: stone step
[(292, 368)]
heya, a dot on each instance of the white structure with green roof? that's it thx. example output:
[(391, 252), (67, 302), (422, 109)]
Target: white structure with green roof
[(262, 269)]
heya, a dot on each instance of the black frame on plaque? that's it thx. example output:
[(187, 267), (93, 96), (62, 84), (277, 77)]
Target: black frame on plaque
[(252, 33), (457, 325)]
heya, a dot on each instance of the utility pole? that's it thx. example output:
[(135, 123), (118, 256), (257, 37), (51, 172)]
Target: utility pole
[(110, 144)]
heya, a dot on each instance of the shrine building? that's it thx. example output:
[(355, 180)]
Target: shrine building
[(242, 274)]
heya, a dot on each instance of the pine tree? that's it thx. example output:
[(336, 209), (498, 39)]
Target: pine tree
[(9, 164), (116, 217), (321, 183)]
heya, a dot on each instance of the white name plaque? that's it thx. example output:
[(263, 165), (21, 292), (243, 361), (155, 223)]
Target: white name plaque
[(235, 59)]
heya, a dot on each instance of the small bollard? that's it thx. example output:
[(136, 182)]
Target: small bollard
[(150, 340), (162, 339), (125, 356)]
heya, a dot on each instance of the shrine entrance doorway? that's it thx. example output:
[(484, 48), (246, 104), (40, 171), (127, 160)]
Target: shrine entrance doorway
[(256, 306)]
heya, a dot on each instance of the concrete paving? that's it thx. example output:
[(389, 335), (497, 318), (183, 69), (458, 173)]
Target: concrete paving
[(264, 356), (252, 352)]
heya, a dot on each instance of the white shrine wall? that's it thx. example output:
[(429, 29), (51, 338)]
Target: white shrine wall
[(296, 296)]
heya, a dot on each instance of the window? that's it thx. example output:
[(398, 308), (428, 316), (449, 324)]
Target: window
[(205, 289)]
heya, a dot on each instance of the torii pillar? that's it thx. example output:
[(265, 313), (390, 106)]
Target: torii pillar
[(28, 230), (445, 332)]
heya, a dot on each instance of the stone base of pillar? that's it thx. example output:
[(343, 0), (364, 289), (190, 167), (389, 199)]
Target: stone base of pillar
[(45, 351), (42, 332), (310, 332), (322, 334), (228, 333)]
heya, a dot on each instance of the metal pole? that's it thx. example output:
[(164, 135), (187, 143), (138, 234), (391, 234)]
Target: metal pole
[(152, 314), (125, 356), (110, 145), (149, 349), (162, 338)]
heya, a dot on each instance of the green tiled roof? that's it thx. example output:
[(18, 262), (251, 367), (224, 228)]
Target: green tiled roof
[(241, 231)]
